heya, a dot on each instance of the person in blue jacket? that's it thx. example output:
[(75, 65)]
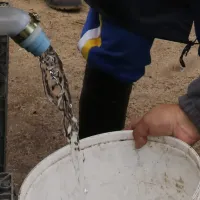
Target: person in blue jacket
[(116, 41)]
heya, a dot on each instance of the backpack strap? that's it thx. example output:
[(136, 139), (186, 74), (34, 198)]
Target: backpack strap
[(186, 51)]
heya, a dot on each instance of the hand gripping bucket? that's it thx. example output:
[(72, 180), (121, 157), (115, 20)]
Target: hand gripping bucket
[(164, 169)]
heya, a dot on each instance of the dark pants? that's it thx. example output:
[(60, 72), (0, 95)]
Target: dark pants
[(103, 103)]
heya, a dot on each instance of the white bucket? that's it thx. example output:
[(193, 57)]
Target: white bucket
[(165, 169)]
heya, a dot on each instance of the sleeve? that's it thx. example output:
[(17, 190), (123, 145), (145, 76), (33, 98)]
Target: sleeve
[(190, 102)]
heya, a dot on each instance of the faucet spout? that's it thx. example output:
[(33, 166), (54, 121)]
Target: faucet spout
[(24, 29)]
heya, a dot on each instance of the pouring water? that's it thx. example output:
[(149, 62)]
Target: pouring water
[(56, 88)]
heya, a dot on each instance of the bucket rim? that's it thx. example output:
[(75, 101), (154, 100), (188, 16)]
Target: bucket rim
[(103, 138)]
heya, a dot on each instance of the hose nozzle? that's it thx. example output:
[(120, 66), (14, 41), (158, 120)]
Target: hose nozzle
[(32, 38)]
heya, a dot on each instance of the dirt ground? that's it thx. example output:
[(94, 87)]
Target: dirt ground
[(34, 126)]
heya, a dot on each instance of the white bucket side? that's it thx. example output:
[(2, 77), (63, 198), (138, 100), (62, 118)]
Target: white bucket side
[(127, 135), (103, 138)]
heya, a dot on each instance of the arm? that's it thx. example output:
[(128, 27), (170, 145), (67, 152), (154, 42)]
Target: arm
[(190, 102), (181, 121)]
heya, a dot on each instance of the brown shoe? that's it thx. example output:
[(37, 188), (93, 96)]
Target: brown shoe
[(65, 4)]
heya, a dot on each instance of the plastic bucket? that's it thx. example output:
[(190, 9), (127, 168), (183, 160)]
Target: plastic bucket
[(165, 169)]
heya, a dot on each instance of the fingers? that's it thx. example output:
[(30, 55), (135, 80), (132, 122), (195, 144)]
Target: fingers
[(128, 127), (140, 134), (134, 121), (140, 142), (133, 124)]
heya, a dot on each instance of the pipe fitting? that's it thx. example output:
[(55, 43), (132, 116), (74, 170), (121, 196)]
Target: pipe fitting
[(24, 29), (29, 29)]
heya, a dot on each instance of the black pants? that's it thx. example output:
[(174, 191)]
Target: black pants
[(103, 103)]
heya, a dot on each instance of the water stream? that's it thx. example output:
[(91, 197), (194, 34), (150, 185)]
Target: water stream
[(56, 89)]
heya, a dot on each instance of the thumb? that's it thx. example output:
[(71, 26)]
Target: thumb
[(140, 131), (140, 134)]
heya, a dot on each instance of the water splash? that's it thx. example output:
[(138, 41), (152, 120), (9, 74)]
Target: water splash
[(56, 88)]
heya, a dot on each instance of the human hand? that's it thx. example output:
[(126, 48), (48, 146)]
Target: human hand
[(164, 120)]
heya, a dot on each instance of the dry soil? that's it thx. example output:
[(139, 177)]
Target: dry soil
[(34, 125)]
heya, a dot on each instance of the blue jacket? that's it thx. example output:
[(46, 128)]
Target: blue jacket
[(164, 19), (115, 50)]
